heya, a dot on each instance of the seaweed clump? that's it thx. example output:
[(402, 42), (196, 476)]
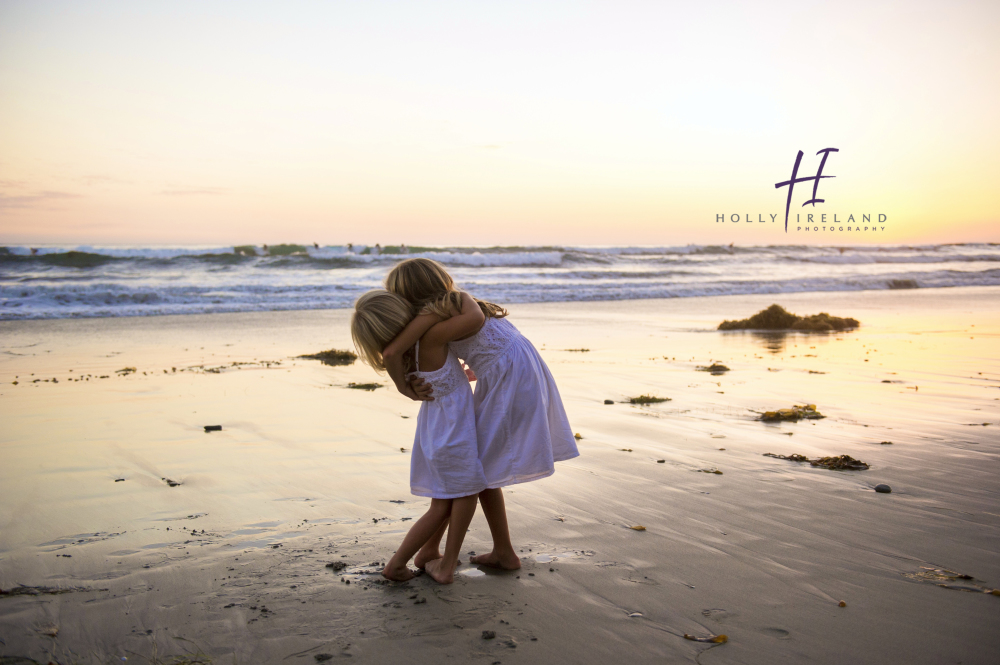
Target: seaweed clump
[(364, 386), (836, 462), (794, 414), (647, 399), (332, 357), (777, 317), (714, 369)]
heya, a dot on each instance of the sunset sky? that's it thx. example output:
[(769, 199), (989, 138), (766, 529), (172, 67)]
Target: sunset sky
[(493, 123)]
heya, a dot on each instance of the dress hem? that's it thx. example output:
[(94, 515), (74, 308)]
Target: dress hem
[(436, 495)]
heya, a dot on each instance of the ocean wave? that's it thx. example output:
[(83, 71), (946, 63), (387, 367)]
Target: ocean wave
[(55, 299)]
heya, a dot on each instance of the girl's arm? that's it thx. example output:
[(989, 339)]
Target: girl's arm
[(392, 355), (460, 325)]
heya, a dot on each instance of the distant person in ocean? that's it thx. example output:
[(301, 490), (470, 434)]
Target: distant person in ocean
[(521, 426), (316, 245), (377, 249), (350, 247), (403, 249), (444, 464)]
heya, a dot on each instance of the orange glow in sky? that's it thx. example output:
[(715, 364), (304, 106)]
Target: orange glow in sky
[(493, 123)]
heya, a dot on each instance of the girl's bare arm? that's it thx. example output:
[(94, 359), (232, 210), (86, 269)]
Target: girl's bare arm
[(392, 355), (461, 324)]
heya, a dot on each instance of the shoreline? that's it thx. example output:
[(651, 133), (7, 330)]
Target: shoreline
[(307, 472)]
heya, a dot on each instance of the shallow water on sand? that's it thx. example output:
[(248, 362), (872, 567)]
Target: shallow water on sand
[(306, 472)]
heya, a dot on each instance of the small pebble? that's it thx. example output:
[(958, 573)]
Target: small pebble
[(882, 488), (609, 401), (841, 604), (661, 461), (488, 634)]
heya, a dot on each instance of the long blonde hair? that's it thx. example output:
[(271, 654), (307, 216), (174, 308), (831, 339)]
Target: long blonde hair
[(378, 317), (430, 288)]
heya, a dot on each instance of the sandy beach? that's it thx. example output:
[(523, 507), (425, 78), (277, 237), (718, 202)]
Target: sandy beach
[(128, 532)]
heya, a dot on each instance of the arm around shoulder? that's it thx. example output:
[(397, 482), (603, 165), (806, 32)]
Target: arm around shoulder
[(461, 324)]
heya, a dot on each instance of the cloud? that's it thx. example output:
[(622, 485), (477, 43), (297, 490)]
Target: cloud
[(39, 200), (194, 191)]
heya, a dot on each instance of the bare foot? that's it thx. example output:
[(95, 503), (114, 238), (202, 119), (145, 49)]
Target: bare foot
[(397, 573), (420, 561), (494, 560), (437, 571)]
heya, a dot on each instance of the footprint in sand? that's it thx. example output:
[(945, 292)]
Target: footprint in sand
[(777, 633)]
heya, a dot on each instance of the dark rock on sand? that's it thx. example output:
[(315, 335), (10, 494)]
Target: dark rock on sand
[(797, 412), (336, 565), (714, 369), (323, 657), (172, 483), (364, 386), (882, 488), (213, 428), (609, 401), (332, 357), (776, 317), (488, 634)]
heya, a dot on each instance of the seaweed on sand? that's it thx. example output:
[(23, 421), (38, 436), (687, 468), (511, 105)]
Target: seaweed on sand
[(836, 463), (332, 357), (714, 369), (364, 386), (647, 399), (796, 413), (777, 317)]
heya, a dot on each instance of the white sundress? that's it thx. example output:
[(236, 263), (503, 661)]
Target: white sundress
[(521, 425), (445, 460)]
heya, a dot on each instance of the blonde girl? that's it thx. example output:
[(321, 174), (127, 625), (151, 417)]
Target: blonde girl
[(521, 426), (444, 464)]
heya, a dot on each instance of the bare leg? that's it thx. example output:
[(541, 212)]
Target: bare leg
[(419, 533), (431, 549), (503, 555), (462, 510)]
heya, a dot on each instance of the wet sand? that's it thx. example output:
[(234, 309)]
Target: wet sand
[(229, 563)]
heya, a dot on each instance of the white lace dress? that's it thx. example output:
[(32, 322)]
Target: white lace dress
[(445, 460), (521, 425)]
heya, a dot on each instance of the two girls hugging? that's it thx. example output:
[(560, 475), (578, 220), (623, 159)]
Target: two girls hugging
[(468, 445)]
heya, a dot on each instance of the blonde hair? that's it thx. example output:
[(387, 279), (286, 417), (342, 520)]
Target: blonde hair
[(430, 288), (378, 317)]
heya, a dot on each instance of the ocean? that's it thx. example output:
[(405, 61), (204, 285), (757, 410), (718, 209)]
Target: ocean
[(85, 281)]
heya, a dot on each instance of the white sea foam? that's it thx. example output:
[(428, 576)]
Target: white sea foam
[(87, 281)]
